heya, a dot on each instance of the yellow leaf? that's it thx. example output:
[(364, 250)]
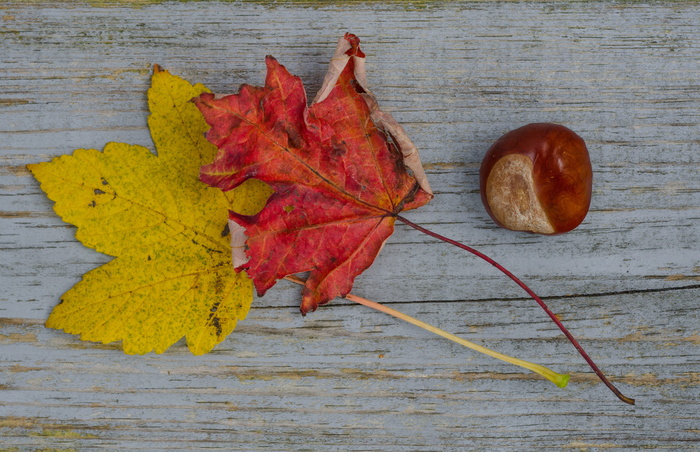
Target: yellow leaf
[(172, 274)]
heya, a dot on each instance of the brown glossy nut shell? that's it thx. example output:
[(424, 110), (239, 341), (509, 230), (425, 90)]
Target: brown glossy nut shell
[(537, 178)]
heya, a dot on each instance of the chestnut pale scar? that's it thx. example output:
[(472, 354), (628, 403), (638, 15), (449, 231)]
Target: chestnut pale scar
[(511, 195)]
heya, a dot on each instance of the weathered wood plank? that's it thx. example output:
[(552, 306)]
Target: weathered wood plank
[(350, 382), (457, 75)]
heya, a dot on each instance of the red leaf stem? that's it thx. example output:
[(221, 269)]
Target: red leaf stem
[(532, 294)]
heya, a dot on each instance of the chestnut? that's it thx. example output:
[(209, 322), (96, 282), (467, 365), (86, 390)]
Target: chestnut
[(537, 178)]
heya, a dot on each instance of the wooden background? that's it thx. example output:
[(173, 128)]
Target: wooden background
[(624, 75)]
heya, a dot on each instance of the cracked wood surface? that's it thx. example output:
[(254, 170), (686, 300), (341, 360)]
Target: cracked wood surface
[(457, 75)]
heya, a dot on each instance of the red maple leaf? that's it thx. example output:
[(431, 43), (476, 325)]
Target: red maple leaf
[(338, 168), (342, 171)]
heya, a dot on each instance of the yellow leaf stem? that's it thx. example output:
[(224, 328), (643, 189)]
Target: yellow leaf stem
[(560, 380)]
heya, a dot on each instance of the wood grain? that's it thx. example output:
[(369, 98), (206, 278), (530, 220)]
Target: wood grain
[(457, 75)]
